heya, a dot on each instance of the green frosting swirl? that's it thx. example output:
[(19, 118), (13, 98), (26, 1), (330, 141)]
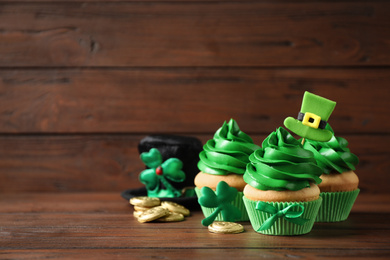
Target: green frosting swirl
[(333, 156), (282, 164), (228, 152)]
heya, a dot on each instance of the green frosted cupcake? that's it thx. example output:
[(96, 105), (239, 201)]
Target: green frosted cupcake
[(281, 195), (339, 187), (224, 158)]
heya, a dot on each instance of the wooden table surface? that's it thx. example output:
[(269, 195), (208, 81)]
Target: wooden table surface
[(102, 226)]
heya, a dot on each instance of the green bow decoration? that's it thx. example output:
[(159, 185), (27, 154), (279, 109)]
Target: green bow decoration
[(221, 199), (287, 213), (156, 178)]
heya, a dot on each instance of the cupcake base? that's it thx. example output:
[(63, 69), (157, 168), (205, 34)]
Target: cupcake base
[(237, 202), (336, 206), (283, 227)]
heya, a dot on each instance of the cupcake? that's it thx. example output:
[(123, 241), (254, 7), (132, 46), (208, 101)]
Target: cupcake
[(224, 158), (281, 195), (339, 186)]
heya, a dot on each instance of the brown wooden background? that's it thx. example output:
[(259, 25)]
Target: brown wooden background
[(81, 82)]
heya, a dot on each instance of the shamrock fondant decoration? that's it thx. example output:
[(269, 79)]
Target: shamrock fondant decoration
[(312, 119), (220, 200), (156, 178)]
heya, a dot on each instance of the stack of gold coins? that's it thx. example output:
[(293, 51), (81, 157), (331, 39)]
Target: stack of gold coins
[(148, 209)]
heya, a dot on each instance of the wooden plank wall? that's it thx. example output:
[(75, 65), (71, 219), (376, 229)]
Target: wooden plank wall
[(81, 82)]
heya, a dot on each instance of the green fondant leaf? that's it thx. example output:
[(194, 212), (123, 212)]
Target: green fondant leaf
[(225, 193), (149, 178), (208, 198), (172, 170), (152, 159)]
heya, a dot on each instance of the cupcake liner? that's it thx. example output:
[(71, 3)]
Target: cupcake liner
[(237, 202), (281, 226), (336, 206)]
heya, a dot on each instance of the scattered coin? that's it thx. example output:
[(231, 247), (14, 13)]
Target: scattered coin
[(153, 214), (171, 217), (224, 227), (145, 201), (174, 207)]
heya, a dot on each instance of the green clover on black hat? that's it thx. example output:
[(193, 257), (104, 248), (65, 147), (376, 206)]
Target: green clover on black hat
[(312, 118)]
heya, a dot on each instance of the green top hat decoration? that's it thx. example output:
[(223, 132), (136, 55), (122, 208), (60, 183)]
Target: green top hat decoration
[(312, 118)]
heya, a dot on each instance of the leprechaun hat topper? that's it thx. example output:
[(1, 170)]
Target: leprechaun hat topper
[(312, 119)]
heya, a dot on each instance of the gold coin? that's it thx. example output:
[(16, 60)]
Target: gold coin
[(174, 207), (224, 227), (171, 217), (145, 201), (139, 208), (136, 214), (153, 214)]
